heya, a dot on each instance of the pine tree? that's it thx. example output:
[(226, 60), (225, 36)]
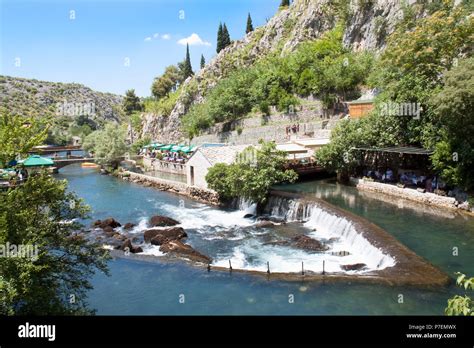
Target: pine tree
[(225, 37), (249, 25), (187, 68), (285, 3), (219, 39), (203, 61)]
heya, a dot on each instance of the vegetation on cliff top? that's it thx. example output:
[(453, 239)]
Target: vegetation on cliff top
[(424, 63)]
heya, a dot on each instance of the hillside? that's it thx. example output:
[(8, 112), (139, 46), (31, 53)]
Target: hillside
[(29, 97), (366, 25)]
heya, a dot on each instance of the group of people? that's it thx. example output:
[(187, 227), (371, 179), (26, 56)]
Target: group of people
[(174, 157), (295, 128), (408, 178), (14, 176)]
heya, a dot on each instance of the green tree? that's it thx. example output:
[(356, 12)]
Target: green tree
[(33, 216), (453, 107), (18, 135), (131, 102), (107, 145), (253, 174), (285, 3), (203, 61), (225, 37), (249, 25), (165, 84), (220, 43), (187, 69), (461, 305)]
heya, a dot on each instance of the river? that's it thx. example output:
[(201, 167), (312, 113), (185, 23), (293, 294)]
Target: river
[(175, 288)]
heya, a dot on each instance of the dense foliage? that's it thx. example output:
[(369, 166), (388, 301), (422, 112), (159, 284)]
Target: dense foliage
[(108, 145), (131, 103), (253, 174), (421, 64), (322, 68), (42, 215), (249, 27), (461, 305), (17, 136)]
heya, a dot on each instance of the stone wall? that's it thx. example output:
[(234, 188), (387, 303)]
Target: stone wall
[(198, 194), (151, 164), (408, 193)]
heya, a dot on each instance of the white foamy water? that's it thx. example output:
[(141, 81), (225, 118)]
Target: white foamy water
[(337, 231), (213, 225), (201, 217)]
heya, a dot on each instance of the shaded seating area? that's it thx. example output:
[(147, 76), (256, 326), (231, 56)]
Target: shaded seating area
[(169, 152), (405, 166)]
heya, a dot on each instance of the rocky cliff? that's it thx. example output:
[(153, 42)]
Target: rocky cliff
[(368, 23), (29, 97)]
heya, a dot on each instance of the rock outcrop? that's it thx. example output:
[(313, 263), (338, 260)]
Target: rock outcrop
[(159, 237), (368, 25), (162, 221), (179, 249)]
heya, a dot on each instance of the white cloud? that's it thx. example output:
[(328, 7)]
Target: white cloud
[(166, 36), (194, 40), (148, 39), (155, 35)]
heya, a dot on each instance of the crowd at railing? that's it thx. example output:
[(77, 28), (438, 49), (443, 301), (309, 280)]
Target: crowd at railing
[(168, 153), (406, 178)]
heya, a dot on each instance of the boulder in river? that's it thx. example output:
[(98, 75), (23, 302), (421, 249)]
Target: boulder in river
[(127, 245), (178, 248), (108, 229), (107, 222), (128, 226), (354, 267), (249, 216), (307, 243), (159, 237), (263, 224), (162, 221)]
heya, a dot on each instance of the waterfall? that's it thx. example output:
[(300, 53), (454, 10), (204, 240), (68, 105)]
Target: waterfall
[(330, 226)]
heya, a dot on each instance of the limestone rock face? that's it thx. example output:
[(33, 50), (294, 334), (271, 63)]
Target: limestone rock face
[(369, 23)]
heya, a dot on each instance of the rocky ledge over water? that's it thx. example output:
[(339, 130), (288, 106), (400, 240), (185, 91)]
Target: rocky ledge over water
[(164, 234)]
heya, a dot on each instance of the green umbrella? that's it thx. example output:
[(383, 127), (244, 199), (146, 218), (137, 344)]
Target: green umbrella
[(166, 147), (38, 161), (156, 145), (176, 148), (186, 149)]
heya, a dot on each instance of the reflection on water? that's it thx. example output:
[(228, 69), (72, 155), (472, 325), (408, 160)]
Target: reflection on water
[(153, 288)]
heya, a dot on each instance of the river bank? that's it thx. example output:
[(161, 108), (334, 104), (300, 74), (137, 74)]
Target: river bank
[(133, 285), (180, 188), (424, 198)]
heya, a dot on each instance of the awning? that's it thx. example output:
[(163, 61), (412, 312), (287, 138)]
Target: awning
[(38, 161), (166, 147), (291, 148), (405, 150), (312, 142), (176, 148)]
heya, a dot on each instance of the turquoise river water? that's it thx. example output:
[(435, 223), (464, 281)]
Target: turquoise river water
[(157, 288)]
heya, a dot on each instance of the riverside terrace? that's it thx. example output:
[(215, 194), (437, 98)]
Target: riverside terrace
[(194, 162)]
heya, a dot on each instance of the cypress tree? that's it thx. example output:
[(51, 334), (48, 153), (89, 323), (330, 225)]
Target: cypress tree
[(225, 37), (187, 69), (249, 25), (203, 61), (285, 3), (219, 38)]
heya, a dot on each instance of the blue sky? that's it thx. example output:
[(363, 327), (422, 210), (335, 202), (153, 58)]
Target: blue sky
[(94, 47)]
